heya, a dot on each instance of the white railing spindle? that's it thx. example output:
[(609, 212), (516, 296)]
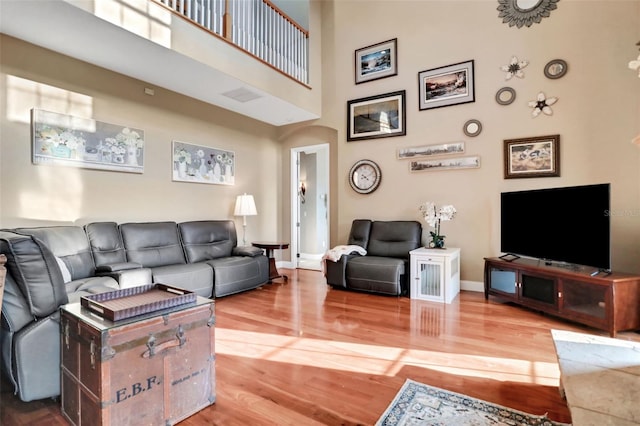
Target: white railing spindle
[(257, 27)]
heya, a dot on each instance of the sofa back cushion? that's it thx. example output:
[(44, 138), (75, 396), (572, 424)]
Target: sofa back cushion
[(33, 268), (152, 244), (69, 244), (394, 238), (106, 243), (208, 239), (360, 231)]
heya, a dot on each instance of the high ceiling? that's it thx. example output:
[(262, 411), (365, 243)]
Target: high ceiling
[(62, 27)]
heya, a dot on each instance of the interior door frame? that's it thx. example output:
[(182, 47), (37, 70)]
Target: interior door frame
[(295, 205)]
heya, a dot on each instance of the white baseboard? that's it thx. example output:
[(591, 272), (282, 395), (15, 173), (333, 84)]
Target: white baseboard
[(472, 285)]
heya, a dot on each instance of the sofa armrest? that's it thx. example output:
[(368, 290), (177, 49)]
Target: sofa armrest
[(116, 267), (336, 272), (247, 251)]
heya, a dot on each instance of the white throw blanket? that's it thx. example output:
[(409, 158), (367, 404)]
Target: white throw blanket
[(336, 253)]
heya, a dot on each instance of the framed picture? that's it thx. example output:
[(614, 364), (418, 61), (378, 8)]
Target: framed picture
[(376, 116), (431, 150), (532, 157), (203, 164), (377, 61), (446, 86), (60, 139), (452, 163)]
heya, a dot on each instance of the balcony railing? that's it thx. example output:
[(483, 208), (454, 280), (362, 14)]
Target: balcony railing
[(257, 27)]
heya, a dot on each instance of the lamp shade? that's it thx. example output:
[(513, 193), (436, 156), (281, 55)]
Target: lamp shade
[(245, 206)]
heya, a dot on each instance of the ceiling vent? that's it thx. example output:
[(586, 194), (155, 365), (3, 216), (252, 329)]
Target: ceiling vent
[(242, 95)]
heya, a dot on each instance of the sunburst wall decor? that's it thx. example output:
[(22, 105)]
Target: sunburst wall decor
[(525, 12)]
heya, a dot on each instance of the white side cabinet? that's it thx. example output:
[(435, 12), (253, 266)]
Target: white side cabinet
[(435, 274)]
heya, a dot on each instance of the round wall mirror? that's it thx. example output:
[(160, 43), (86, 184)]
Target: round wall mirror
[(555, 69), (505, 96), (472, 128)]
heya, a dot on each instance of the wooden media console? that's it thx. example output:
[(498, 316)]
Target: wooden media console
[(607, 301)]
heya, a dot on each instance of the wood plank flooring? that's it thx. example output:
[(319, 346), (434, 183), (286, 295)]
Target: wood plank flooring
[(301, 353)]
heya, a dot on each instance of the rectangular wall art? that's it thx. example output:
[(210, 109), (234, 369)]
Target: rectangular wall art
[(532, 157), (61, 139), (453, 163), (378, 116), (203, 164), (445, 86), (431, 150), (377, 61)]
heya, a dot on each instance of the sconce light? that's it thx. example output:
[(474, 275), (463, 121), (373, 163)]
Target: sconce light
[(302, 192), (245, 206)]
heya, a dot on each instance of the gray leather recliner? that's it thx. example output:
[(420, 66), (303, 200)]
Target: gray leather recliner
[(385, 267)]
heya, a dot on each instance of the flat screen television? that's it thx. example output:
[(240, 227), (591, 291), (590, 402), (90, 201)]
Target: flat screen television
[(570, 224)]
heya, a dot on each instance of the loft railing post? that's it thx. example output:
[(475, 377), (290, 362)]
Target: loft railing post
[(227, 22)]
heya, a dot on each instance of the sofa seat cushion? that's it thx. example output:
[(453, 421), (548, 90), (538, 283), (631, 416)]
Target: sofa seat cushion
[(196, 277), (238, 273), (375, 274)]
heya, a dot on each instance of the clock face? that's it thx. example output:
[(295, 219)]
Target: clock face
[(364, 176)]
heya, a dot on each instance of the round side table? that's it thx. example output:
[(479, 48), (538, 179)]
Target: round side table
[(270, 246)]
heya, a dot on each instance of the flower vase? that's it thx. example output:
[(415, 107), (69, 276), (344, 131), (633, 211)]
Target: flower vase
[(203, 169), (132, 156), (182, 169), (216, 173), (61, 151), (437, 240)]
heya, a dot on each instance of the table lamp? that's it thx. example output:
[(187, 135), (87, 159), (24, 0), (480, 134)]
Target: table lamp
[(245, 206)]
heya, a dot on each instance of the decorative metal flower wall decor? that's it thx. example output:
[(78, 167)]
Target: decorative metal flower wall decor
[(514, 68), (542, 104), (525, 12)]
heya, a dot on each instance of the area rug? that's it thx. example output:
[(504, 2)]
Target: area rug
[(417, 404)]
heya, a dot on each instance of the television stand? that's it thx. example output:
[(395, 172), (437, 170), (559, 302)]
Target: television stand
[(605, 301)]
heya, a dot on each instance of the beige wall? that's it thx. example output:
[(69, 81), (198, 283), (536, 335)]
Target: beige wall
[(597, 115), (32, 195)]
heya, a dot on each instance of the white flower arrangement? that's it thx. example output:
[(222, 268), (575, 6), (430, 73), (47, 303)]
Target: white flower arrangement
[(182, 156), (115, 146), (52, 136), (433, 217), (130, 138)]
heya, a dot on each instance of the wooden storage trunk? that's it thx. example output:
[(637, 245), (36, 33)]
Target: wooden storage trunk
[(154, 369)]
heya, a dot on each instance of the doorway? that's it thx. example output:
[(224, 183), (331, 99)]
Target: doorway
[(309, 205)]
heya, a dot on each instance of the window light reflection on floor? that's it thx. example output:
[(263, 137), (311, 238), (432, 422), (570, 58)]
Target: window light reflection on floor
[(377, 359)]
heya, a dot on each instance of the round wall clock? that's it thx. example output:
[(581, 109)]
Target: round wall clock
[(365, 176)]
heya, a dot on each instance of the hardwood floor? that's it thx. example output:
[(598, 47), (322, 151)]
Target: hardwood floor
[(301, 353)]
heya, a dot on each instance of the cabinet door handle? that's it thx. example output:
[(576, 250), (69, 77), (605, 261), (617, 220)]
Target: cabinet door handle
[(559, 295)]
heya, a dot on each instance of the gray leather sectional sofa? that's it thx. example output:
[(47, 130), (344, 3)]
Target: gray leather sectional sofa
[(50, 266), (385, 267)]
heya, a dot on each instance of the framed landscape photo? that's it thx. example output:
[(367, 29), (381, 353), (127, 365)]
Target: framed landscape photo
[(446, 86), (377, 61), (378, 116), (452, 163), (532, 157), (431, 150)]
